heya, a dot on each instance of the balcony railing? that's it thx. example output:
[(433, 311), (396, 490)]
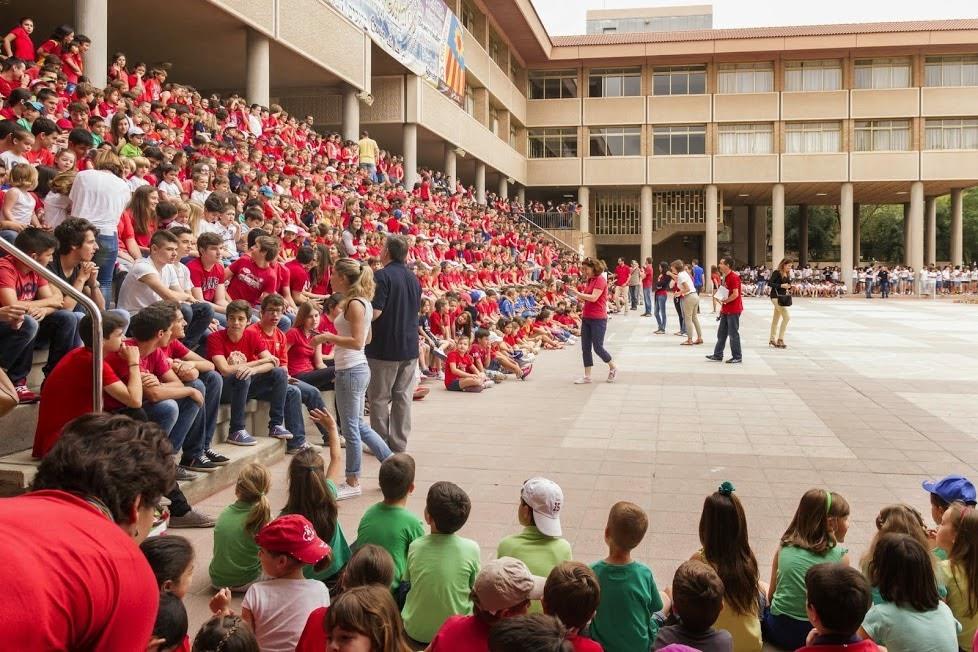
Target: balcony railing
[(554, 220)]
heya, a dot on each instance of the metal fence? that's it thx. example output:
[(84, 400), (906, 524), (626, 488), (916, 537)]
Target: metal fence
[(554, 221)]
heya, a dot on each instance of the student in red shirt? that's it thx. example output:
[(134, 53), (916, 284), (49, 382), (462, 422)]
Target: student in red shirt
[(207, 274), (461, 374), (76, 536), (594, 320), (305, 350), (299, 280), (730, 309), (18, 43), (648, 279), (251, 277)]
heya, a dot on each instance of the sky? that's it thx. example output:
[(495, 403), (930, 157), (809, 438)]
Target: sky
[(567, 16)]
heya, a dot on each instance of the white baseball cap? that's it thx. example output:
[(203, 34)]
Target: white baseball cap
[(545, 498)]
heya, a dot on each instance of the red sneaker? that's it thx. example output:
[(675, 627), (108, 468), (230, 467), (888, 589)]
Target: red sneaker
[(526, 371), (25, 395)]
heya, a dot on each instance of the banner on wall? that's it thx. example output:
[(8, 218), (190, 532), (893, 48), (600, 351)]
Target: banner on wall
[(423, 35)]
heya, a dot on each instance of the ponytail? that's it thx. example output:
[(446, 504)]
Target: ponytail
[(359, 276), (252, 487)]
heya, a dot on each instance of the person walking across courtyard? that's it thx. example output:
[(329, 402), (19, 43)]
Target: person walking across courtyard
[(731, 305), (594, 320), (780, 299)]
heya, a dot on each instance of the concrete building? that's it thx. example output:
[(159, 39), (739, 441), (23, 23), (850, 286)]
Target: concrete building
[(682, 143), (682, 18)]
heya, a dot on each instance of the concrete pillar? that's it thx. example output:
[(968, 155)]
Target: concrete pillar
[(92, 20), (584, 199), (845, 233), (917, 225), (751, 236), (646, 242), (856, 236), (930, 230), (521, 195), (777, 223), (480, 182), (957, 230), (759, 235), (351, 114), (450, 166), (257, 68), (503, 187), (410, 154), (906, 234), (802, 235), (710, 237)]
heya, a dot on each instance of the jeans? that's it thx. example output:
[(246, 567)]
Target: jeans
[(198, 316), (351, 389), (869, 289), (105, 257), (58, 330), (660, 311), (323, 379), (9, 235), (884, 289), (647, 299), (311, 397), (390, 393), (372, 169), (729, 326), (592, 336), (175, 416), (78, 313), (678, 303), (270, 386), (211, 385), (633, 296)]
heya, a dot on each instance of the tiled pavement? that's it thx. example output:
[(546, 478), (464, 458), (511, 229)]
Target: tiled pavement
[(870, 398)]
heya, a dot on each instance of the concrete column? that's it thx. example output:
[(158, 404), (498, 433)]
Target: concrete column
[(646, 242), (957, 230), (521, 195), (351, 114), (777, 223), (751, 236), (257, 68), (930, 230), (584, 199), (907, 245), (759, 235), (410, 153), (503, 187), (480, 182), (856, 236), (845, 233), (802, 235), (917, 225), (450, 166), (92, 20), (710, 237)]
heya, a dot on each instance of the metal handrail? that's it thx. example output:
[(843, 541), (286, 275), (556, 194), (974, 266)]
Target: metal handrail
[(547, 233), (84, 301)]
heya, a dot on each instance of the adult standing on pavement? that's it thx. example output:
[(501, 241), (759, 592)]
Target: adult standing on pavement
[(648, 280), (731, 306), (594, 320), (697, 277), (780, 284), (393, 352)]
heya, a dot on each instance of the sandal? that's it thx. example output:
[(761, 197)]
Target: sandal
[(686, 343), (698, 342), (781, 344), (772, 344)]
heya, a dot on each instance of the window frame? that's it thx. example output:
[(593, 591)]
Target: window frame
[(560, 77), (967, 139), (873, 64), (875, 129), (741, 128), (725, 70), (611, 135), (674, 134), (820, 65), (672, 72), (621, 74), (558, 138), (942, 62), (813, 127)]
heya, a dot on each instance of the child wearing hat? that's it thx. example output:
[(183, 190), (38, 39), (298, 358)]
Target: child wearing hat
[(540, 545), (277, 608), (947, 490), (502, 589)]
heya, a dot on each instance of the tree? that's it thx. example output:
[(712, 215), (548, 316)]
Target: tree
[(823, 227), (881, 233)]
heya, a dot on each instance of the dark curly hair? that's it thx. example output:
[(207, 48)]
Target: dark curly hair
[(111, 458)]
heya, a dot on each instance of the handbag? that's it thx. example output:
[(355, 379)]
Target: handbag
[(784, 300)]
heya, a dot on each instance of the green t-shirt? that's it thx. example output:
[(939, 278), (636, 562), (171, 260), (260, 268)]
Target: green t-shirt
[(629, 597), (903, 630), (130, 151), (940, 553), (393, 529), (235, 561), (442, 570), (790, 597), (339, 546), (539, 552)]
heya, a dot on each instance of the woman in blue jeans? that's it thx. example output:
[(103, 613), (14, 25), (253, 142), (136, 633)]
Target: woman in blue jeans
[(594, 318), (355, 281)]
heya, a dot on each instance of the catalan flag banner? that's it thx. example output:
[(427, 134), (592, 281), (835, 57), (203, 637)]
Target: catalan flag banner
[(423, 35)]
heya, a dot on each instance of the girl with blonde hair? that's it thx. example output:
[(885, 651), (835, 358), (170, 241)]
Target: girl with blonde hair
[(235, 563)]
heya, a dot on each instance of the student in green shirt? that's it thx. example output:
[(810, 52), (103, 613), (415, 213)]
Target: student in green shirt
[(389, 524), (539, 545), (235, 563), (629, 595), (441, 566)]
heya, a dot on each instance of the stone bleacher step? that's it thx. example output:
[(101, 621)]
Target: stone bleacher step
[(17, 429)]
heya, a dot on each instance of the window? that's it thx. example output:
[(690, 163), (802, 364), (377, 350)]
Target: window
[(818, 75), (813, 137), (515, 71), (882, 73), (553, 84), (560, 142), (617, 82), (494, 121), (679, 80), (468, 17), (958, 70), (951, 133), (497, 50), (469, 101), (749, 138), (746, 77), (513, 137), (616, 141), (679, 139), (882, 135)]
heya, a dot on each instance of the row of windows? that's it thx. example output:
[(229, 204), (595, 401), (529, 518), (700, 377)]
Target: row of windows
[(754, 138), (756, 77)]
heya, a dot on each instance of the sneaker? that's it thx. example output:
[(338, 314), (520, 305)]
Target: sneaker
[(441, 355), (420, 393), (486, 384), (660, 332), (241, 438), (199, 463), (441, 375), (193, 518), (734, 361), (279, 432), (526, 371), (345, 491), (298, 449), (715, 358), (612, 374), (25, 395), (583, 380), (183, 475), (217, 458)]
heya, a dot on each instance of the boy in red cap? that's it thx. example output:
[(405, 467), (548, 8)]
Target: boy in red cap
[(277, 608)]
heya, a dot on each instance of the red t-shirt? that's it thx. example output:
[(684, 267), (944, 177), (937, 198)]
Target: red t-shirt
[(865, 645), (206, 279), (439, 325), (22, 46), (67, 394), (250, 345), (249, 281), (314, 638), (274, 343), (597, 309), (156, 363), (298, 277), (26, 284), (621, 274), (649, 277), (735, 307), (461, 633), (584, 644), (301, 353), (463, 362), (73, 580)]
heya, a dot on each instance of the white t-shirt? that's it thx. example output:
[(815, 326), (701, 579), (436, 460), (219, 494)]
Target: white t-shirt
[(685, 283), (55, 209), (349, 358), (11, 159), (200, 196), (182, 273), (169, 189), (135, 182), (100, 197), (134, 295), (281, 608)]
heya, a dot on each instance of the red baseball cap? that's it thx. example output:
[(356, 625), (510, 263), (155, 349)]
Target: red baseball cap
[(293, 535)]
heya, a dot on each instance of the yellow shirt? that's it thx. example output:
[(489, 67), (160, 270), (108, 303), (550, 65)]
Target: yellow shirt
[(368, 150), (744, 628), (956, 582)]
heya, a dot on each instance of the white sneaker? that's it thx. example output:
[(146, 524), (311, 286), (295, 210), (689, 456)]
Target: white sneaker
[(344, 491), (583, 380), (488, 383)]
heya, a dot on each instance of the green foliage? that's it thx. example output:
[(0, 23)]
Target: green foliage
[(823, 228)]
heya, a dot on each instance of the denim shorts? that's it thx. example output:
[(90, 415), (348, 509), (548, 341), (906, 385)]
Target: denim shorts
[(454, 386)]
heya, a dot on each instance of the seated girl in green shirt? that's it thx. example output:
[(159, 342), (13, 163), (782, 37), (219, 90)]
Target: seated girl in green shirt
[(235, 563)]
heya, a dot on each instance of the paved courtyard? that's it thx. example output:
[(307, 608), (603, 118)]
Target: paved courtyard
[(870, 398)]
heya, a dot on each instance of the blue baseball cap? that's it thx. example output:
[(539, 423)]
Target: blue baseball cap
[(952, 488)]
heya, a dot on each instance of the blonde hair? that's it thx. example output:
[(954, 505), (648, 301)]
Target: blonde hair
[(253, 484), (141, 162), (62, 182), (23, 176), (196, 215), (358, 276), (106, 159)]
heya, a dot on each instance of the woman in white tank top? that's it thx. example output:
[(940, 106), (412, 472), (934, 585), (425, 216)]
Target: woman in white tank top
[(355, 281)]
